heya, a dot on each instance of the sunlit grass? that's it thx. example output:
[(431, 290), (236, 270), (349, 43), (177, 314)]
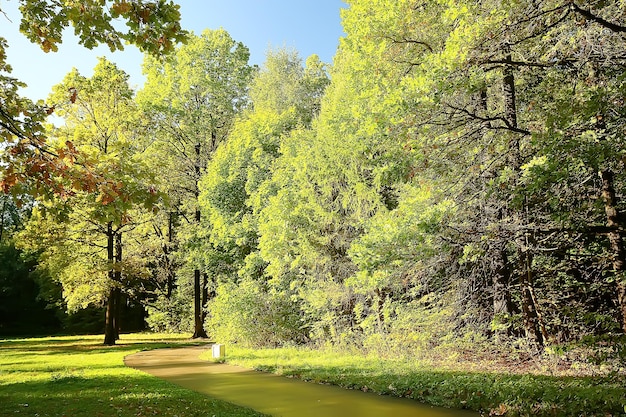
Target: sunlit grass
[(453, 385), (78, 376)]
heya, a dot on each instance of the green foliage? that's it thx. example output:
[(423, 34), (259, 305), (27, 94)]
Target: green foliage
[(396, 240), (171, 315), (191, 100), (24, 309), (436, 188), (30, 162), (450, 175), (250, 315), (84, 233)]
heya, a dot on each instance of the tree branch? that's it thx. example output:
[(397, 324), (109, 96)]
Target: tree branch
[(413, 41), (590, 16)]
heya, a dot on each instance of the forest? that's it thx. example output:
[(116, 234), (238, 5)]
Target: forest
[(454, 180)]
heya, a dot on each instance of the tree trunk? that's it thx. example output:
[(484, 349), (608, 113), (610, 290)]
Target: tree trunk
[(199, 331), (109, 322), (532, 320), (168, 261), (198, 309), (110, 335), (118, 279), (500, 268), (618, 258), (205, 294), (492, 213)]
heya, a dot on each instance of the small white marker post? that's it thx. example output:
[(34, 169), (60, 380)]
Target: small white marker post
[(219, 351)]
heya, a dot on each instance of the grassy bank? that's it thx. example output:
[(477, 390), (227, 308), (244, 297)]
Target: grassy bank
[(79, 377), (493, 390)]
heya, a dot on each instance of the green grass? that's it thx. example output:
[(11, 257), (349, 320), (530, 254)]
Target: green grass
[(78, 376), (503, 392)]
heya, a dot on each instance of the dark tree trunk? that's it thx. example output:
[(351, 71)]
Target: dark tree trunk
[(618, 258), (198, 309), (205, 294), (510, 115), (118, 280), (199, 331), (109, 322), (533, 324), (168, 261), (110, 335)]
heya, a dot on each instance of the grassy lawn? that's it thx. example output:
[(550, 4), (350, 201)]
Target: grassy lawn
[(78, 376), (455, 384)]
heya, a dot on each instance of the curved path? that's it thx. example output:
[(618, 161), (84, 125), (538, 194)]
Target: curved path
[(271, 394)]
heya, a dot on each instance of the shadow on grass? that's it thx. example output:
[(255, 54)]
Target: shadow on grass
[(89, 344), (79, 376)]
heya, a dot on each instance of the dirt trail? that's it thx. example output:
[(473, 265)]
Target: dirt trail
[(271, 394)]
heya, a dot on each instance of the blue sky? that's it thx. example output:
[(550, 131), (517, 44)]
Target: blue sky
[(310, 27)]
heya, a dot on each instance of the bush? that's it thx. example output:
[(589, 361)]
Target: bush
[(247, 314)]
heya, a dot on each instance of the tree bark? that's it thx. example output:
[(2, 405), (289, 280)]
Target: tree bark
[(533, 324), (198, 309), (109, 322), (109, 330), (168, 261), (205, 294), (118, 279), (199, 331), (501, 294), (618, 257)]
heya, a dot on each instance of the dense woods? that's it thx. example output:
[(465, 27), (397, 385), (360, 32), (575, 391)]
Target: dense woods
[(454, 178)]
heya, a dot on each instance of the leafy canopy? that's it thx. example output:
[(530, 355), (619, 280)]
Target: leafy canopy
[(153, 26)]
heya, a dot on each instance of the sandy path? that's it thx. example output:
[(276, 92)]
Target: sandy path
[(271, 394)]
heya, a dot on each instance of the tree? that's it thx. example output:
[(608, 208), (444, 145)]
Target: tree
[(285, 97), (31, 164), (193, 98), (102, 124), (486, 93)]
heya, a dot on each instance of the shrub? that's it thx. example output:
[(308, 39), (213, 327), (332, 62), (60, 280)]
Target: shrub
[(248, 314)]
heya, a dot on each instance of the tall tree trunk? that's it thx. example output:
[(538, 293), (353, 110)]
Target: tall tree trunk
[(501, 294), (198, 309), (533, 324), (618, 257), (118, 278), (110, 334), (199, 331), (205, 294), (109, 322), (168, 261)]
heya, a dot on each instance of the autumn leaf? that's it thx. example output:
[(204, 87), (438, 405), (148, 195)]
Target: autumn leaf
[(121, 8), (73, 94)]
